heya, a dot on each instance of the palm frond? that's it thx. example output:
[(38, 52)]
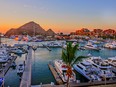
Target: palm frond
[(78, 59)]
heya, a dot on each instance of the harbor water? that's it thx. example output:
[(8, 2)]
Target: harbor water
[(41, 58)]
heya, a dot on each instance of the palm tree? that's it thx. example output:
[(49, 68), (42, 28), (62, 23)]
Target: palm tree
[(69, 57)]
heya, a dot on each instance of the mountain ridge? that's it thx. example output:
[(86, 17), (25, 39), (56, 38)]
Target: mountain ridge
[(31, 28)]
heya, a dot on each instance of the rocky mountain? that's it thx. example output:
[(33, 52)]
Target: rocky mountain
[(50, 32), (30, 28)]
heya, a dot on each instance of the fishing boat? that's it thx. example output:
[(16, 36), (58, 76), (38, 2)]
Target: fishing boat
[(61, 69)]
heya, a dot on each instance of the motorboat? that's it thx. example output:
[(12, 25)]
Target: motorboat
[(53, 44), (13, 65), (62, 69), (112, 61), (105, 70), (18, 51), (20, 68), (110, 45), (87, 69), (89, 45), (4, 55)]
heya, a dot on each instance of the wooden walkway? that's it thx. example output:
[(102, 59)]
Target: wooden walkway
[(26, 77), (7, 66), (55, 74), (96, 83)]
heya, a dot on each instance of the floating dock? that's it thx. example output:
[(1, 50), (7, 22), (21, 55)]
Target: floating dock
[(55, 74), (26, 77), (7, 66)]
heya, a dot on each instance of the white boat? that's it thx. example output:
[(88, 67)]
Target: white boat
[(94, 41), (89, 45), (53, 45), (20, 68), (61, 69), (17, 51), (4, 55), (112, 61), (13, 64), (105, 70), (110, 45), (86, 69)]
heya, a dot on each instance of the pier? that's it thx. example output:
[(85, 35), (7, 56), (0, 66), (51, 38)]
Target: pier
[(95, 83), (7, 66), (55, 74), (26, 77), (44, 46)]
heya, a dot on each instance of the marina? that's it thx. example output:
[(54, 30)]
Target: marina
[(41, 57)]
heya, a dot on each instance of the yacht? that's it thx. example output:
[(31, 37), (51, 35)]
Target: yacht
[(112, 61), (53, 45), (105, 70), (20, 68), (18, 51), (86, 69), (4, 55), (61, 69), (89, 45), (110, 45)]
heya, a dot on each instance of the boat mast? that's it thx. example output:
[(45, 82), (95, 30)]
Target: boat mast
[(34, 30), (0, 38)]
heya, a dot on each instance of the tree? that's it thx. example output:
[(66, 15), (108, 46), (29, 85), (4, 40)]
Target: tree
[(69, 57)]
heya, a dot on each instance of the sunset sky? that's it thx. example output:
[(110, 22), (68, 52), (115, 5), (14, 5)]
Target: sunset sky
[(59, 15)]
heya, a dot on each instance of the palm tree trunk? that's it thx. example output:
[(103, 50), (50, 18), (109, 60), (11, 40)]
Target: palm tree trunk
[(67, 82)]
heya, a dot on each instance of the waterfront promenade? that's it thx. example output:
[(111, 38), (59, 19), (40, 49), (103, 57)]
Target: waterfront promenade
[(26, 77)]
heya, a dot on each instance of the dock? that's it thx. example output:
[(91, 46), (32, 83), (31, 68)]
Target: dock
[(26, 77), (46, 47), (7, 66), (48, 85), (95, 83), (55, 74)]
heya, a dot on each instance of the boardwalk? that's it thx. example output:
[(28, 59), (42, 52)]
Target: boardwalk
[(92, 83), (55, 74), (26, 78), (7, 66)]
